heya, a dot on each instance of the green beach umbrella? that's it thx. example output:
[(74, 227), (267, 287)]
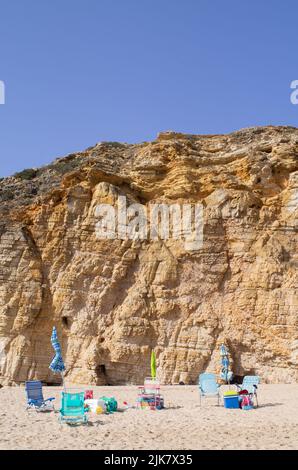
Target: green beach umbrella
[(153, 365)]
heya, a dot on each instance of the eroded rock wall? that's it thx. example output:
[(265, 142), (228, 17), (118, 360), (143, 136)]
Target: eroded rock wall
[(112, 301)]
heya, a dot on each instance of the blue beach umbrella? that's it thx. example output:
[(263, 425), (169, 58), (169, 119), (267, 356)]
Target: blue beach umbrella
[(57, 364), (226, 374)]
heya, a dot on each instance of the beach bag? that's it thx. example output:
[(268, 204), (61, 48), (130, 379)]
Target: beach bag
[(88, 395), (111, 404), (91, 404), (246, 402)]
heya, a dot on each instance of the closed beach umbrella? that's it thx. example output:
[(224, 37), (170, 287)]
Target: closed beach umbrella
[(226, 374), (153, 365), (57, 364)]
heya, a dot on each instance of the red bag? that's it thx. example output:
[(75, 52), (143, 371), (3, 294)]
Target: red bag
[(246, 402), (88, 395)]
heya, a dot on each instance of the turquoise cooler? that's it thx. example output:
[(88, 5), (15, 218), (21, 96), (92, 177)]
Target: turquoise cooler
[(231, 401)]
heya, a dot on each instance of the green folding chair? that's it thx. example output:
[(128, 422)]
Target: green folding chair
[(72, 409)]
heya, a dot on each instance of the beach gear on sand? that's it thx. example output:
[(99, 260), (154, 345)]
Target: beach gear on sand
[(127, 406), (102, 404), (35, 400), (231, 399), (99, 410), (111, 404), (246, 402), (57, 364), (88, 395), (91, 404), (208, 387), (72, 409), (94, 403), (250, 383), (149, 396), (150, 402), (86, 407)]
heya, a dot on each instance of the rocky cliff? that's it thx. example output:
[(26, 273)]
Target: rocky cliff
[(114, 300)]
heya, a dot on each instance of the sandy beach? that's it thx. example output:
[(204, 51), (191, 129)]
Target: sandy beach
[(182, 425)]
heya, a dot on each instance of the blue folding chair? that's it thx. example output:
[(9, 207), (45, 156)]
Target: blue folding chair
[(208, 387), (72, 409), (250, 383), (35, 400)]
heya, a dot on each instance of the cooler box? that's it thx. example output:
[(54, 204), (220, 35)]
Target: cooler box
[(231, 399)]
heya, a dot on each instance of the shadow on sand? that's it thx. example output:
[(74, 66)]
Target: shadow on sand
[(267, 405)]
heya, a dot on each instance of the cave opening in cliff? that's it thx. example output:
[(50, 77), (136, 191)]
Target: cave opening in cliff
[(101, 375), (100, 370), (65, 322)]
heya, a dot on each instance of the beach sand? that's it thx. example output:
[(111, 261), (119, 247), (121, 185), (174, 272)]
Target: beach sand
[(182, 425)]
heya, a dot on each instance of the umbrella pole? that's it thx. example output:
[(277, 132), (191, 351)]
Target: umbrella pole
[(63, 381)]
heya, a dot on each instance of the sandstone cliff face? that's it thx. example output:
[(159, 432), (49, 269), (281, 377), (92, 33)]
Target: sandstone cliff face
[(112, 301)]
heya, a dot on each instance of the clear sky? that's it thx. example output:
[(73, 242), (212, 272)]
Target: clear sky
[(79, 72)]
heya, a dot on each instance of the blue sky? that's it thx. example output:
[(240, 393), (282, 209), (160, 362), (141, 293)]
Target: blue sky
[(82, 71)]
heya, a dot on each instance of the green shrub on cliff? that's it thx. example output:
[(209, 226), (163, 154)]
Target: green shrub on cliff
[(27, 174)]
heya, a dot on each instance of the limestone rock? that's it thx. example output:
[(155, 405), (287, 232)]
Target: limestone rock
[(114, 300)]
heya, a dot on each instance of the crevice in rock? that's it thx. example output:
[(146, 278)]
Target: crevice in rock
[(65, 322)]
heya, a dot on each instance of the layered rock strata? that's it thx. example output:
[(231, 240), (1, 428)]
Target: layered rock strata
[(113, 300)]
